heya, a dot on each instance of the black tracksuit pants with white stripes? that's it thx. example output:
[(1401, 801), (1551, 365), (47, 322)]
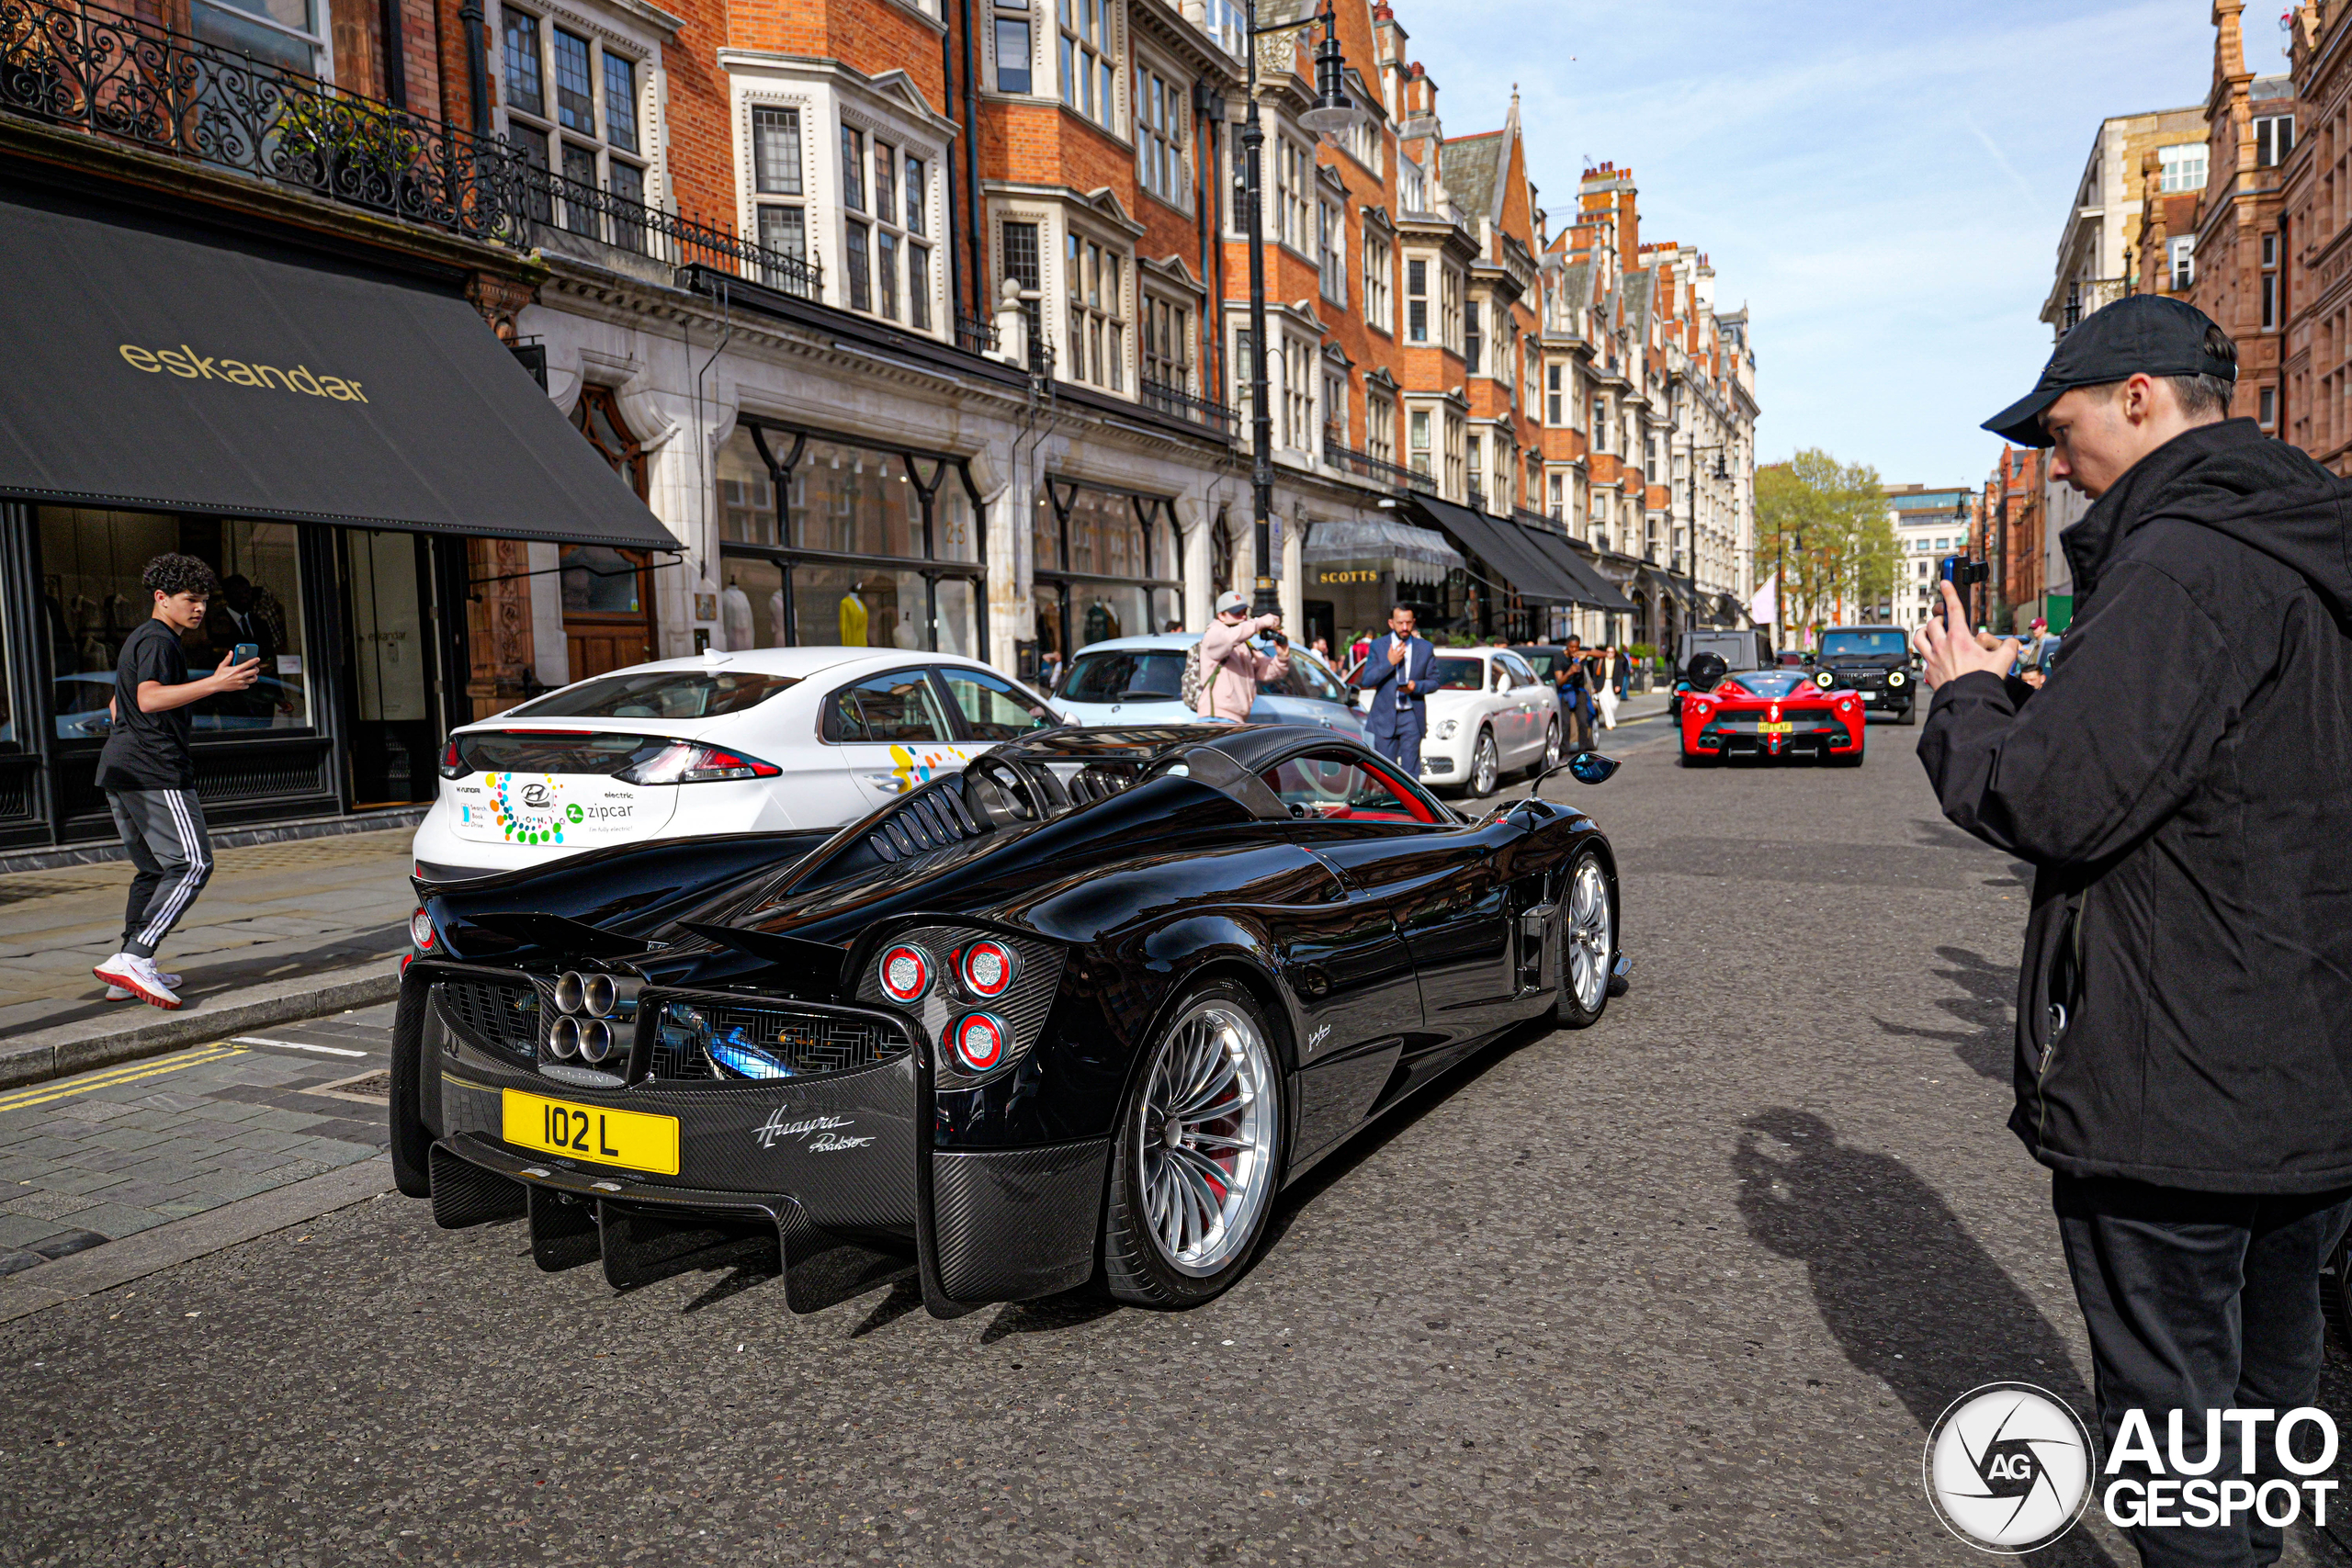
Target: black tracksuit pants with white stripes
[(163, 830)]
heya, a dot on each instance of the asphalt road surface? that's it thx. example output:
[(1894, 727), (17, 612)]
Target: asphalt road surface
[(1684, 1289)]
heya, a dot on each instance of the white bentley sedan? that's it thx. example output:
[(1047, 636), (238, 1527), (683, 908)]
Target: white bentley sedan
[(1489, 714), (757, 741)]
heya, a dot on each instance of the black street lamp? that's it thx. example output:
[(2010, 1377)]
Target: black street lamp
[(1333, 112)]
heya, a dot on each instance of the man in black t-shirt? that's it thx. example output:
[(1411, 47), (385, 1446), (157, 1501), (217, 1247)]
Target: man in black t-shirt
[(150, 777)]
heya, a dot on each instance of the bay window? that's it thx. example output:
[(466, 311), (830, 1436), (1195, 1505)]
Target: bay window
[(578, 122), (1093, 283), (1162, 113), (1331, 250), (1014, 73), (780, 220), (1294, 167), (1089, 84), (1167, 348), (1296, 399)]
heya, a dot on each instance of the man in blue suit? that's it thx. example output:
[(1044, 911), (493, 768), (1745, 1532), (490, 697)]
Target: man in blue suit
[(1398, 673)]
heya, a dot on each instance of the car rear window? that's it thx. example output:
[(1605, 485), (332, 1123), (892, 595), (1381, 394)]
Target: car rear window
[(660, 694), (1126, 675), (1770, 683), (1460, 674), (554, 751)]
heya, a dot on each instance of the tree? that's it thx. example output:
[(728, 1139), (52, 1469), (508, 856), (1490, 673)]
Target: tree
[(1822, 525)]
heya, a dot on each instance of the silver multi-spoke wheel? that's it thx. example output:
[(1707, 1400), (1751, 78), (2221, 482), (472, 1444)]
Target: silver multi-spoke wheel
[(1205, 1138), (1552, 746), (1484, 765), (1590, 935)]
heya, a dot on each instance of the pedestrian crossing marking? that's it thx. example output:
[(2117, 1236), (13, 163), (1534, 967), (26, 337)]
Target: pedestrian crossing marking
[(42, 1094)]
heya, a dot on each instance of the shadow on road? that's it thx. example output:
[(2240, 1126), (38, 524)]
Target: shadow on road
[(1987, 1047), (1908, 1295)]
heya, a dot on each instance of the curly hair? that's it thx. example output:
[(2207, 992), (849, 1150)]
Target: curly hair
[(171, 574)]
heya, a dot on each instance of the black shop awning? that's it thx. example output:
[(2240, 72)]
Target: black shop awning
[(1594, 591), (1502, 546), (156, 368)]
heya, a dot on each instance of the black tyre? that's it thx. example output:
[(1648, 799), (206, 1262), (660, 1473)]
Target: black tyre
[(1198, 1157), (1588, 945), (1910, 715), (1844, 759), (411, 1145), (1486, 766), (1700, 759)]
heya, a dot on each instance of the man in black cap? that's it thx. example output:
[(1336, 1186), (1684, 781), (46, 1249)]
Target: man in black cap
[(2182, 783)]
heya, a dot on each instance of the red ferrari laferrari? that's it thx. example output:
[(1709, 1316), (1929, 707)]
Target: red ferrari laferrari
[(1772, 713)]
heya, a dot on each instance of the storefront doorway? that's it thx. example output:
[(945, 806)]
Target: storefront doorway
[(390, 683), (607, 593)]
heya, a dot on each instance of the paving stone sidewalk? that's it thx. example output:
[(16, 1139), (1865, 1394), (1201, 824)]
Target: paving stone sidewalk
[(104, 1154), (309, 906)]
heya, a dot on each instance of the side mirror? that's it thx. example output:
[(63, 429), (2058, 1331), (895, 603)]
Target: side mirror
[(1588, 767)]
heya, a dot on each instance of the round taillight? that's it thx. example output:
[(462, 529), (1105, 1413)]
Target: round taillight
[(597, 1041), (564, 1037), (906, 974), (419, 931), (987, 968), (978, 1040)]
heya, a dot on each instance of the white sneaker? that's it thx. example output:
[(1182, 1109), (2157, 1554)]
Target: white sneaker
[(124, 994), (138, 976)]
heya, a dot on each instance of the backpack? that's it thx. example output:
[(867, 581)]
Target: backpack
[(1190, 687)]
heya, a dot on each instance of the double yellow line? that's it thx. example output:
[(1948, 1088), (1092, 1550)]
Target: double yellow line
[(41, 1094)]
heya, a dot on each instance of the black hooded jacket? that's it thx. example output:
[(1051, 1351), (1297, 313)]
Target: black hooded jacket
[(2183, 786)]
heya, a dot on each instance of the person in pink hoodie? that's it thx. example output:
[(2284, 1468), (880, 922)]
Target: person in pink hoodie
[(1231, 668)]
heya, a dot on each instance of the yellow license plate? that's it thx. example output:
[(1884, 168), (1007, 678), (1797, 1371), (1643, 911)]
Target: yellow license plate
[(1783, 727), (630, 1139)]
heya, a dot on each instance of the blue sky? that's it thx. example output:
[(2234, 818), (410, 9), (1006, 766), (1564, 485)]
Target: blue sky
[(1884, 184)]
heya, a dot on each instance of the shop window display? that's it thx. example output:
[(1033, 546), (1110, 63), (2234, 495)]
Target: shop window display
[(1106, 566), (91, 598), (829, 543)]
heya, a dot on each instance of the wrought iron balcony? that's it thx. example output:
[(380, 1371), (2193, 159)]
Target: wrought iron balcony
[(1183, 405), (99, 70), (91, 69), (1364, 466), (669, 238), (975, 335)]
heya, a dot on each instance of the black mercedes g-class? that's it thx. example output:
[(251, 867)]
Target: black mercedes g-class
[(1874, 661)]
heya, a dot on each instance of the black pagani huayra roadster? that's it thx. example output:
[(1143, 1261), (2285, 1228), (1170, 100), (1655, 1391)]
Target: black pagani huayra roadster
[(1075, 1014)]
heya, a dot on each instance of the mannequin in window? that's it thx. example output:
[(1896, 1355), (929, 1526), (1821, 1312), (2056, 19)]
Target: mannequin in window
[(1101, 622), (735, 615), (852, 619), (776, 619), (906, 635)]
